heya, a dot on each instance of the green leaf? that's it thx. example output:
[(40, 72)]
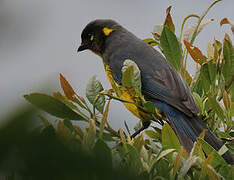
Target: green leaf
[(231, 173), (133, 160), (131, 75), (228, 66), (139, 142), (103, 154), (104, 119), (212, 173), (107, 136), (127, 79), (64, 100), (198, 100), (232, 93), (207, 75), (216, 107), (197, 151), (169, 139), (187, 165), (69, 125), (52, 106), (153, 134), (162, 168), (232, 104), (93, 88), (149, 107), (197, 85), (171, 47), (217, 159), (90, 134)]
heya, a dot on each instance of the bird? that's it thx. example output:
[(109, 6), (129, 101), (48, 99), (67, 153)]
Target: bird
[(161, 83)]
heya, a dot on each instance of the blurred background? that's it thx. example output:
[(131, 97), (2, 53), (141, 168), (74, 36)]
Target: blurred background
[(39, 39)]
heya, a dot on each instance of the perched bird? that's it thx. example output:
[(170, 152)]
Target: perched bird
[(161, 84)]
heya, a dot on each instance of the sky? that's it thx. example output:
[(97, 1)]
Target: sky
[(39, 39)]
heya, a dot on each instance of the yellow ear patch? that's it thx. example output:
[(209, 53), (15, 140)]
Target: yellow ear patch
[(107, 31)]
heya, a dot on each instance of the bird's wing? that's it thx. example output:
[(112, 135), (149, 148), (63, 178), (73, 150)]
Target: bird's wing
[(160, 81), (166, 85)]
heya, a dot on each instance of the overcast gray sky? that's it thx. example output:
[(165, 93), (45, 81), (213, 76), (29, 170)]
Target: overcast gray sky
[(39, 38)]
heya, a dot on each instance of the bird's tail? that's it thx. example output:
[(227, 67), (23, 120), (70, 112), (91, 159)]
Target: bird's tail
[(188, 129)]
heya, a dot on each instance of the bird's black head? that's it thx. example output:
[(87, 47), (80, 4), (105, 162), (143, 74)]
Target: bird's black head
[(95, 33)]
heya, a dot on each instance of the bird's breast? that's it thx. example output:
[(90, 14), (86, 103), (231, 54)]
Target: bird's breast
[(125, 94)]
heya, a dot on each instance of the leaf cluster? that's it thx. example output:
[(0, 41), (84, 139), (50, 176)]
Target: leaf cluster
[(68, 149)]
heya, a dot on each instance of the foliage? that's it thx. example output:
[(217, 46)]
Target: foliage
[(67, 150)]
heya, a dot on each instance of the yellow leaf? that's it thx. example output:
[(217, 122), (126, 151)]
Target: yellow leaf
[(177, 161), (226, 100), (63, 131), (139, 142), (122, 136), (210, 51), (164, 153), (104, 118), (207, 162), (212, 173), (187, 76)]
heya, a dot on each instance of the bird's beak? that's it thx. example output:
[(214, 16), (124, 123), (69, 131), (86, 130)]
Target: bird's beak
[(82, 47)]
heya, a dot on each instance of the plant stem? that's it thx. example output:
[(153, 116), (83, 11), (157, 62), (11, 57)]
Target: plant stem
[(185, 19), (196, 29), (200, 20)]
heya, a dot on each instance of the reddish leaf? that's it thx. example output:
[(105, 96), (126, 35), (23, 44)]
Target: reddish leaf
[(67, 89), (195, 53), (156, 35), (226, 21), (168, 21)]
